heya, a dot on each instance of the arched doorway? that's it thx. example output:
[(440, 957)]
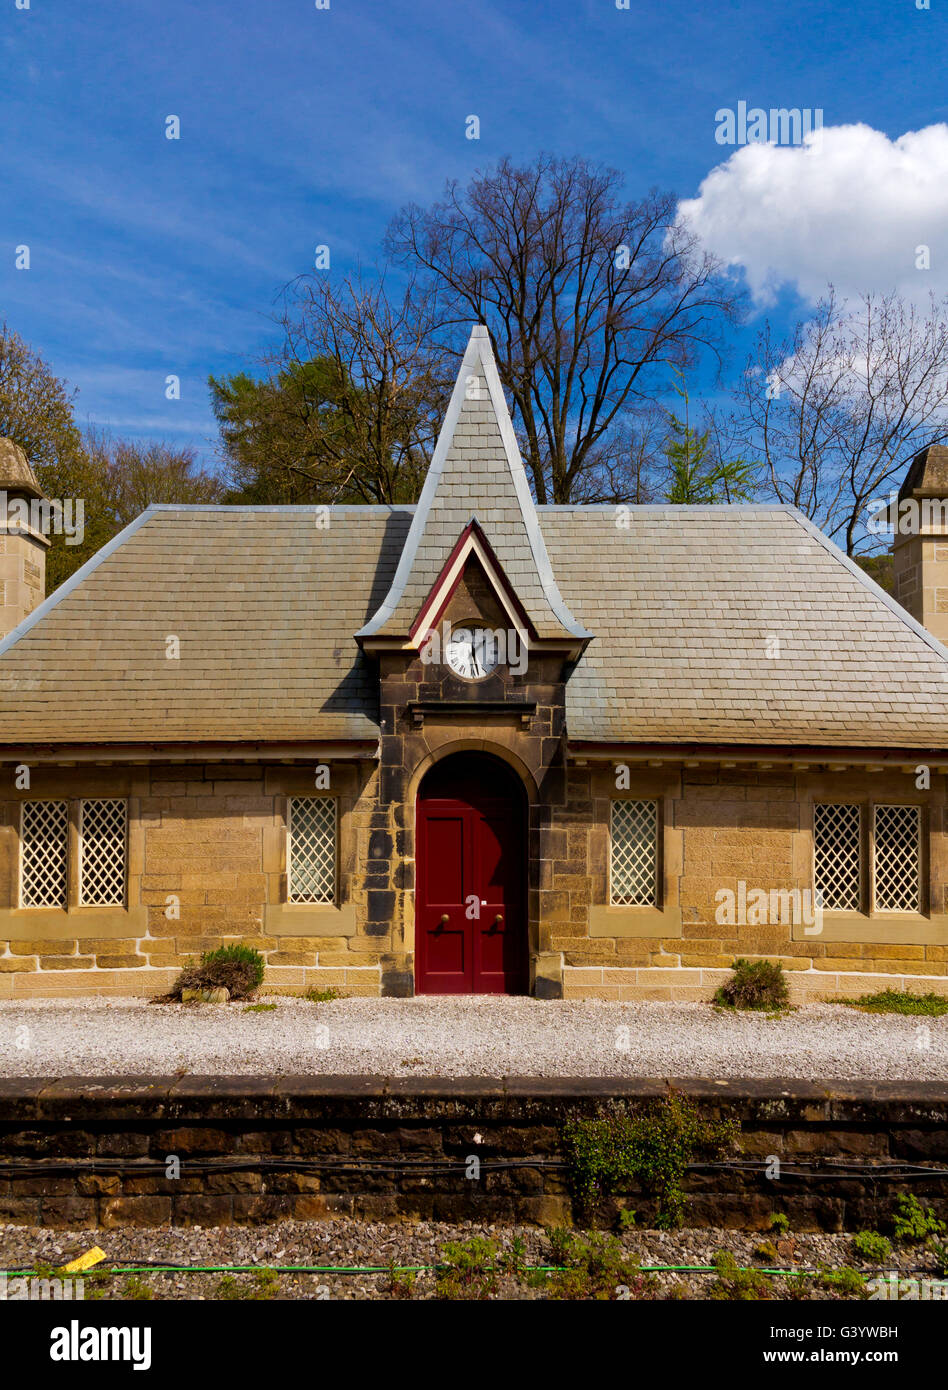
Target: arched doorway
[(471, 878)]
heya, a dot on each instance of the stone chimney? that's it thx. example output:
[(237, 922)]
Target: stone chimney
[(23, 545), (920, 545)]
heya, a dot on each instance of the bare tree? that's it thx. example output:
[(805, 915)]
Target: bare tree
[(588, 299), (837, 410)]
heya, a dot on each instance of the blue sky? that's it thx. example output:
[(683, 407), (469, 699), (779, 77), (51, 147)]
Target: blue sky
[(302, 126)]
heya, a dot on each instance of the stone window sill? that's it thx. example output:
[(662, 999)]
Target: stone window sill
[(309, 919), (61, 924), (895, 928), (634, 921)]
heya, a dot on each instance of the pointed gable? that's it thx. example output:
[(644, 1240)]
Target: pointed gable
[(476, 483)]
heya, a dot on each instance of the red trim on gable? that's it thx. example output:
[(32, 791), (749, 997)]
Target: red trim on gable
[(472, 528)]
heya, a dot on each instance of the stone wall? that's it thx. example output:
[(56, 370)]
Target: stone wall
[(206, 867), (253, 1150), (720, 826), (208, 842)]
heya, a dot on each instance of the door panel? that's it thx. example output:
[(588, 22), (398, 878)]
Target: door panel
[(471, 869)]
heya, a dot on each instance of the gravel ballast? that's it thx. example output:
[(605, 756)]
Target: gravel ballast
[(357, 1244), (480, 1036)]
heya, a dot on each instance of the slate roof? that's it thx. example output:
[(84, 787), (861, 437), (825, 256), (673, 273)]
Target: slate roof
[(477, 472), (682, 605)]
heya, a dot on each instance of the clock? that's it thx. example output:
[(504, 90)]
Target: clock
[(471, 652)]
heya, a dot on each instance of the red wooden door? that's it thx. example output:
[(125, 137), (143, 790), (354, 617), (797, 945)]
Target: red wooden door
[(470, 898)]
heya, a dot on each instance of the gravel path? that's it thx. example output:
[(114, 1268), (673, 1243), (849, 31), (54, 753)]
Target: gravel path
[(465, 1037)]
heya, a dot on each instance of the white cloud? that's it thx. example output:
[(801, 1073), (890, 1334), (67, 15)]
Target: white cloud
[(851, 210)]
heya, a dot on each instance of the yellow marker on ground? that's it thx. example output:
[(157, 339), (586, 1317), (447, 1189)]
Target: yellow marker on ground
[(91, 1257)]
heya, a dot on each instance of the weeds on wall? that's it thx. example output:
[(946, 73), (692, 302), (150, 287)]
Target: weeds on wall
[(648, 1149)]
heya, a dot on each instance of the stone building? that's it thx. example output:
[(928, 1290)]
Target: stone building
[(473, 745)]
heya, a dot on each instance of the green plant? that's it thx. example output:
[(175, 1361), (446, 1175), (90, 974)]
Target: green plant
[(914, 1224), (941, 1255), (265, 1285), (846, 1282), (755, 984), (651, 1148), (323, 996), (401, 1282), (872, 1246), (898, 1001), (259, 1008), (780, 1223), (467, 1269), (595, 1266), (626, 1219), (135, 1290), (238, 969), (767, 1251), (732, 1282)]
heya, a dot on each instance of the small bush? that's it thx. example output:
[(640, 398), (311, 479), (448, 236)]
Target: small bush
[(650, 1148), (755, 984), (872, 1246), (914, 1224), (259, 1008), (846, 1282), (238, 969), (467, 1269), (780, 1223), (899, 1001), (323, 996), (595, 1267), (732, 1282)]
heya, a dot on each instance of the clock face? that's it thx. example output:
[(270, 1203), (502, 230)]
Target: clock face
[(471, 652)]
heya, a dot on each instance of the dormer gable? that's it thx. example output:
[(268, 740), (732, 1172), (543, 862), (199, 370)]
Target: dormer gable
[(476, 499)]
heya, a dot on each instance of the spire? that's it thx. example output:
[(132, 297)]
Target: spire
[(476, 476)]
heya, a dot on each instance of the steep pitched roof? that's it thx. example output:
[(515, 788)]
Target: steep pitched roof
[(476, 474)]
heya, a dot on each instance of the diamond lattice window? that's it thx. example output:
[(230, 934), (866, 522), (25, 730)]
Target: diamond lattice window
[(44, 830), (837, 856), (312, 850), (897, 858), (634, 853), (102, 841)]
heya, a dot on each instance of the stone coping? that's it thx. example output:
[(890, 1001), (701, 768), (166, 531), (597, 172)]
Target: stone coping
[(237, 1097)]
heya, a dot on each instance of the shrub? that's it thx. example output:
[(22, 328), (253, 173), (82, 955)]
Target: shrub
[(732, 1282), (323, 996), (872, 1246), (238, 969), (780, 1223), (846, 1282), (650, 1148), (595, 1266), (467, 1269), (755, 984), (914, 1224)]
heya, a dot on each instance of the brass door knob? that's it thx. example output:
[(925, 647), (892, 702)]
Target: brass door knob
[(499, 918), (444, 918)]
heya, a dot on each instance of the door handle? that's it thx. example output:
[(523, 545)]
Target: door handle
[(444, 919)]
